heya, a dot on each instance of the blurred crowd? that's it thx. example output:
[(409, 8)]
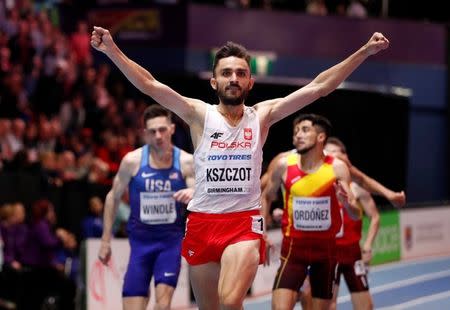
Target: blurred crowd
[(41, 266), (57, 110), (65, 119), (350, 8)]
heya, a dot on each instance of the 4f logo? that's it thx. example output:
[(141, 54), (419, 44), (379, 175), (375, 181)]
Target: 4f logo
[(216, 135)]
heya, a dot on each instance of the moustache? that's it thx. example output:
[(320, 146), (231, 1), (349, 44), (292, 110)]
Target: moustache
[(233, 87)]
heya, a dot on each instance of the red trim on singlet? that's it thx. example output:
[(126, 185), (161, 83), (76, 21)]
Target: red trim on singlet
[(293, 175), (352, 230)]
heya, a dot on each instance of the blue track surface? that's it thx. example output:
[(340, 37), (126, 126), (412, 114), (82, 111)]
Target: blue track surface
[(422, 284)]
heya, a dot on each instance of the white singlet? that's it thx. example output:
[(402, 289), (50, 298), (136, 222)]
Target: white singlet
[(228, 164)]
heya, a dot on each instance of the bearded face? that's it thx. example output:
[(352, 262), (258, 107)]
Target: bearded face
[(305, 148), (232, 80), (305, 137), (232, 94)]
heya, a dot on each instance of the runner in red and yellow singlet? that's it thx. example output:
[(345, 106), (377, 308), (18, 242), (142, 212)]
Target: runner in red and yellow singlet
[(313, 185)]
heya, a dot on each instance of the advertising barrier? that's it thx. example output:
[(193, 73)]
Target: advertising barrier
[(104, 283), (266, 274), (386, 247), (425, 232)]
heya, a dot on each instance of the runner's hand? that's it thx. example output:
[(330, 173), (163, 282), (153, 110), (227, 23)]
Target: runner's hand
[(277, 215), (269, 246), (184, 195), (104, 253), (366, 255), (101, 40), (397, 199), (376, 43)]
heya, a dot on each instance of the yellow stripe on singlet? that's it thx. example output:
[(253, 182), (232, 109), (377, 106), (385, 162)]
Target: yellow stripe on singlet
[(310, 185)]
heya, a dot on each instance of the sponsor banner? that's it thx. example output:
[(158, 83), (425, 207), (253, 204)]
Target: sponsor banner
[(266, 274), (157, 26), (386, 247), (104, 283), (425, 232)]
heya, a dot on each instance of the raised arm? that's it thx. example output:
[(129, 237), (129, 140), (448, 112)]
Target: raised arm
[(397, 199), (190, 110), (112, 201), (324, 83)]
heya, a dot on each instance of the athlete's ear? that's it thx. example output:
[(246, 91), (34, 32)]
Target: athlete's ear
[(172, 128), (213, 83), (252, 82), (322, 137)]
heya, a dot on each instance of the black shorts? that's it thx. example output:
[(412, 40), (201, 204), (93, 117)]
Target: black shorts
[(297, 256), (352, 268)]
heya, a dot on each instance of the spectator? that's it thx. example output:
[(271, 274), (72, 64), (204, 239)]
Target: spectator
[(99, 172), (122, 216), (14, 233), (73, 114), (16, 135), (67, 167), (80, 42), (356, 9), (42, 244), (316, 7), (92, 225), (21, 45), (6, 153)]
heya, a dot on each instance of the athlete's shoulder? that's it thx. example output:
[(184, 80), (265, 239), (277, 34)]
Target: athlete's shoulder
[(279, 163), (266, 103), (340, 168), (133, 157), (264, 109), (285, 154), (134, 154), (185, 156)]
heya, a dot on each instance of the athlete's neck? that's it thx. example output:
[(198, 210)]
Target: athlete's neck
[(312, 160), (161, 158), (233, 114)]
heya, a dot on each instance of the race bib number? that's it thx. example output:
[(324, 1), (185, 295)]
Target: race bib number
[(312, 213), (360, 268), (258, 224), (228, 178), (158, 208)]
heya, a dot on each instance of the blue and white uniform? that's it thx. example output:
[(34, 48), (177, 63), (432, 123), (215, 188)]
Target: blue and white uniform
[(155, 227)]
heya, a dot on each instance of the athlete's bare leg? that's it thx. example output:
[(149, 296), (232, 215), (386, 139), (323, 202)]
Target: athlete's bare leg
[(135, 303), (305, 296), (362, 301), (333, 304), (239, 264), (205, 281), (163, 296), (284, 299), (321, 304)]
